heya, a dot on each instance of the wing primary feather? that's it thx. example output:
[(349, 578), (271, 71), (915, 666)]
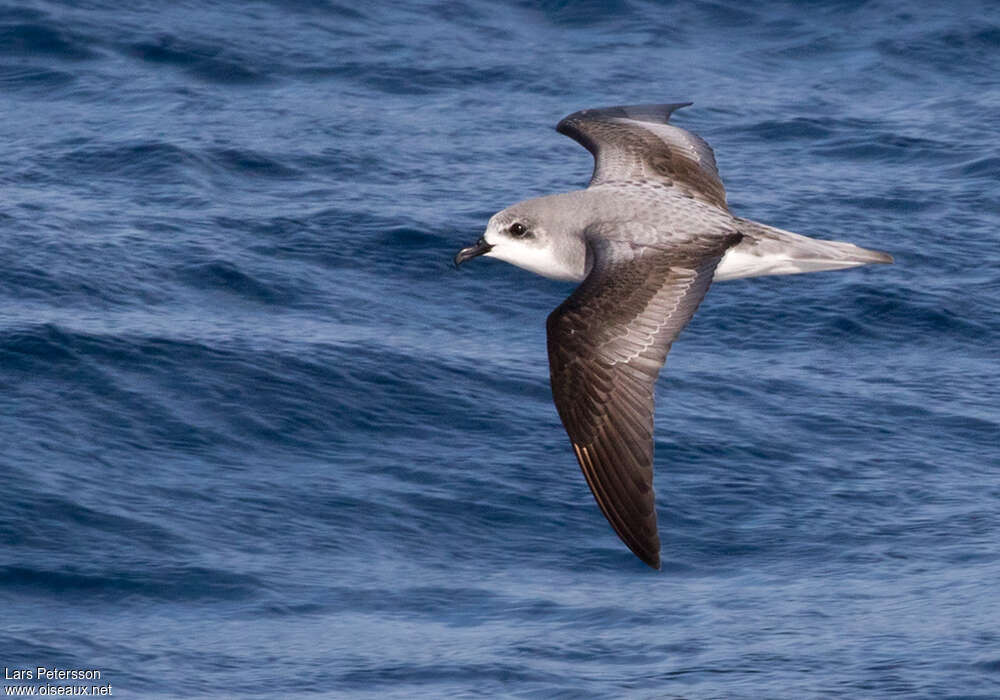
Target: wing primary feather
[(607, 343)]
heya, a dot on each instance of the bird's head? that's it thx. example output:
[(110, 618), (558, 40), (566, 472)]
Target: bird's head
[(540, 235)]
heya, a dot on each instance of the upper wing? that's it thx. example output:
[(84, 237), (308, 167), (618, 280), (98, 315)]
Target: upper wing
[(607, 343), (636, 143)]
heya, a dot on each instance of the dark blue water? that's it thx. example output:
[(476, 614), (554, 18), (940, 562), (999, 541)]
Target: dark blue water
[(257, 438)]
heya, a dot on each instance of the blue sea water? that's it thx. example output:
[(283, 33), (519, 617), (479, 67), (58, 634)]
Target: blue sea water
[(259, 439)]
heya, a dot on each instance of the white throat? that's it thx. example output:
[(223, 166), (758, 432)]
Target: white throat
[(541, 261)]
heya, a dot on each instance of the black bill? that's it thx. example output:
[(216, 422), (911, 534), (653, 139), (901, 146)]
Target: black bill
[(472, 251)]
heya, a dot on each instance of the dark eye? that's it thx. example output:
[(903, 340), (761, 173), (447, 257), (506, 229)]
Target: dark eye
[(518, 230)]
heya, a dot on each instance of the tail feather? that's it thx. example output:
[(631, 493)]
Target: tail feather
[(766, 250)]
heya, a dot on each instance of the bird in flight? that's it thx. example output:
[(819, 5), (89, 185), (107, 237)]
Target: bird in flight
[(645, 240)]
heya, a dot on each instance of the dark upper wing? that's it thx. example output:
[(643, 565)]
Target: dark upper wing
[(607, 343), (636, 143)]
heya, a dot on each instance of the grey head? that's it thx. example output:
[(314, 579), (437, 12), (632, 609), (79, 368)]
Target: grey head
[(543, 235)]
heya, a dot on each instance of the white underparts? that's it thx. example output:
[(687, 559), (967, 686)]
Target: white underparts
[(736, 264), (766, 250), (537, 259)]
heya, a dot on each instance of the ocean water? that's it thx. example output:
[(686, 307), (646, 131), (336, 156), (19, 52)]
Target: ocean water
[(258, 438)]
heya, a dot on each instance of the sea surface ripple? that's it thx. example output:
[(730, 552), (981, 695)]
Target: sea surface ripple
[(259, 439)]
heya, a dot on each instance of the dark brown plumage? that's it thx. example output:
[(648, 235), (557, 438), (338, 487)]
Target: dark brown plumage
[(607, 343)]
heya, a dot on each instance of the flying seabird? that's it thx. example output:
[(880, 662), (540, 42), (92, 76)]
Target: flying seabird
[(645, 239)]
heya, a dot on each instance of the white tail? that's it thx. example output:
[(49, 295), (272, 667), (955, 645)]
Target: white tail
[(766, 250)]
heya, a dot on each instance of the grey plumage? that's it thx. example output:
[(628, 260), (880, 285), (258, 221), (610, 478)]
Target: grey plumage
[(646, 238)]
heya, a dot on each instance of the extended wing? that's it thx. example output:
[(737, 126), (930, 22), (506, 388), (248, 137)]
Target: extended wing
[(635, 142), (607, 343)]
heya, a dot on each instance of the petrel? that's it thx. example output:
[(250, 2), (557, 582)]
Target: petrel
[(645, 239)]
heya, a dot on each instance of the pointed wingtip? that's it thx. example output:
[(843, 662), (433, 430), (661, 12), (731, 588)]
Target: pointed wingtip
[(652, 560), (651, 112)]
